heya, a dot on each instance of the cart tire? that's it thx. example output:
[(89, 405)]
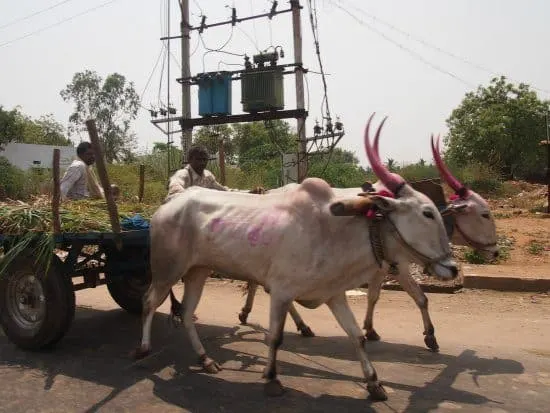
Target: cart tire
[(36, 309), (128, 290)]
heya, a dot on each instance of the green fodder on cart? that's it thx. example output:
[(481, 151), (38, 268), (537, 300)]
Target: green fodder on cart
[(31, 224)]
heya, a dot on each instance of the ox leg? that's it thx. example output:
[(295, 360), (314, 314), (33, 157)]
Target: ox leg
[(155, 296), (302, 327), (277, 317), (252, 287), (340, 308), (375, 286), (193, 286), (414, 290)]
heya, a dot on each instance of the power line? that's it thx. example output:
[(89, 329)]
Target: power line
[(315, 31), (151, 74), (57, 24), (36, 13), (401, 46), (434, 47)]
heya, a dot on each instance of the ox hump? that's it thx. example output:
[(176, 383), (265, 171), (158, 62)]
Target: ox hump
[(318, 189)]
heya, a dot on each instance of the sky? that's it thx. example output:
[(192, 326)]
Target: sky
[(412, 61)]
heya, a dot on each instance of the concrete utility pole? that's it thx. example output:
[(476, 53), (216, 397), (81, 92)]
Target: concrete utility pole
[(185, 74), (302, 144)]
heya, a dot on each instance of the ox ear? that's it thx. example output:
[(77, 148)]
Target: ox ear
[(349, 207), (384, 203), (456, 208), (361, 205)]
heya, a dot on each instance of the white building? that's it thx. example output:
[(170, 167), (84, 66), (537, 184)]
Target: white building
[(26, 156)]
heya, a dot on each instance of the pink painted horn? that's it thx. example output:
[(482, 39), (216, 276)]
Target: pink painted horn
[(392, 181), (444, 171)]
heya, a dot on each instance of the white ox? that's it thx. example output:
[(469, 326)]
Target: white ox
[(302, 245), (473, 226)]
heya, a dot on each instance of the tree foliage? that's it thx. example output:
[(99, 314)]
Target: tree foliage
[(112, 102), (15, 126), (499, 125)]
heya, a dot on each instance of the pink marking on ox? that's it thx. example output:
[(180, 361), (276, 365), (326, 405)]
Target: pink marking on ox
[(216, 225), (262, 233)]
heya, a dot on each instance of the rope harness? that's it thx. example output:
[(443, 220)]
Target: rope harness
[(375, 220)]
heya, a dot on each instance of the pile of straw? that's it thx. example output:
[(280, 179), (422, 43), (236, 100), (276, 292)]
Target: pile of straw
[(19, 218)]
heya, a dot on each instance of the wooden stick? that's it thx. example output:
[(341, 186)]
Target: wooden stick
[(141, 182), (103, 177), (221, 152), (56, 195)]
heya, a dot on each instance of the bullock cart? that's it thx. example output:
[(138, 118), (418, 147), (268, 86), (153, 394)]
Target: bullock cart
[(38, 284)]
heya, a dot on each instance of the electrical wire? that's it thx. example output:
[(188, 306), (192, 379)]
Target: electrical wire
[(57, 24), (53, 6), (151, 74), (434, 47), (401, 46), (315, 30)]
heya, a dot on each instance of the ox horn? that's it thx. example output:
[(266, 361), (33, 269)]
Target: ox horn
[(444, 171), (392, 181)]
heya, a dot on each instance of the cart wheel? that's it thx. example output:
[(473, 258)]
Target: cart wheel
[(128, 289), (36, 309)]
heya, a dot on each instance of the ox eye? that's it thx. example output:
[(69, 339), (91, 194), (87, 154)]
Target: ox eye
[(428, 214), (486, 215)]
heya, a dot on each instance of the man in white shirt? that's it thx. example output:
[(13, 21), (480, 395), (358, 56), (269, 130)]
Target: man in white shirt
[(194, 174), (78, 182)]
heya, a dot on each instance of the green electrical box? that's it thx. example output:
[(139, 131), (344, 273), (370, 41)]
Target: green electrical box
[(262, 89)]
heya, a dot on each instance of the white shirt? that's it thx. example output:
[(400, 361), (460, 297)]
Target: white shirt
[(74, 184), (186, 177), (78, 181)]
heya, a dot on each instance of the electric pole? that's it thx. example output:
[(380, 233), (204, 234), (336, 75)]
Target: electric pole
[(186, 133), (299, 76)]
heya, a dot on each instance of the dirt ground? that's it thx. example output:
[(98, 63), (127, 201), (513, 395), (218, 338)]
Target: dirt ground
[(494, 358), (524, 230)]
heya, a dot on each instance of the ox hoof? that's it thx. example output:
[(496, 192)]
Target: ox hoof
[(211, 366), (306, 331), (195, 318), (140, 353), (243, 317), (274, 388), (431, 343), (377, 392), (372, 335)]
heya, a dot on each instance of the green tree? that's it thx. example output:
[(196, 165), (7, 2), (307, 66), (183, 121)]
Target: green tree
[(17, 127), (210, 136), (112, 102), (11, 127), (340, 170), (44, 131), (259, 142), (499, 125)]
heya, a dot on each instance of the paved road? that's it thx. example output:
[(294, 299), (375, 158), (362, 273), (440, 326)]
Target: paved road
[(495, 357)]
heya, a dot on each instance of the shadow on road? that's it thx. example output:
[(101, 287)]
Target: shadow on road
[(97, 346)]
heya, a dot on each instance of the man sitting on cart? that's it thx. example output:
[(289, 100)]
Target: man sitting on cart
[(79, 181)]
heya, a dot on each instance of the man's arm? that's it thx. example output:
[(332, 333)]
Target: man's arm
[(214, 184), (72, 174), (178, 182)]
